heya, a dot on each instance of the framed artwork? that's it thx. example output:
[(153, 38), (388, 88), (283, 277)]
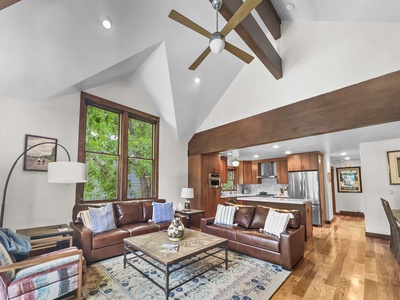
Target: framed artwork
[(37, 158), (349, 180), (394, 166)]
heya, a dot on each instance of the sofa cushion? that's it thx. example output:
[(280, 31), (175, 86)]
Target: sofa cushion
[(276, 222), (140, 228), (224, 231), (147, 210), (295, 221), (260, 215), (225, 214), (108, 238), (84, 216), (162, 212), (102, 218), (128, 212), (258, 239), (244, 215)]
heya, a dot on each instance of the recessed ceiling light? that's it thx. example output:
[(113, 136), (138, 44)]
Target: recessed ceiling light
[(197, 79), (275, 146), (343, 153), (347, 158), (106, 23), (255, 155), (288, 152), (229, 153), (290, 6)]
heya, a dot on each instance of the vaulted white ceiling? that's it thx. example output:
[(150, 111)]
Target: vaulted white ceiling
[(53, 47)]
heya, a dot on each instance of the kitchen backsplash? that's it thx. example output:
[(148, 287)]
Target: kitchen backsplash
[(267, 185)]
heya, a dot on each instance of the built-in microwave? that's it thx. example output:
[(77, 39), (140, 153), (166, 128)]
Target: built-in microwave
[(214, 180)]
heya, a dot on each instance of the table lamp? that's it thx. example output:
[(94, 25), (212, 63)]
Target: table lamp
[(187, 193)]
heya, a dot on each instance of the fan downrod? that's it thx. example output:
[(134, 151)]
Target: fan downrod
[(216, 4)]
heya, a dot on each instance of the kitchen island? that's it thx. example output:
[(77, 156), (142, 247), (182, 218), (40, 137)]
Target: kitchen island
[(304, 206)]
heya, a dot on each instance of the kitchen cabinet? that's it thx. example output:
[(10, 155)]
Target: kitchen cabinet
[(223, 168), (247, 172), (303, 161), (282, 171)]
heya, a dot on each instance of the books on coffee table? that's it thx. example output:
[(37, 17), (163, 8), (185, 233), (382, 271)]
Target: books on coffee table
[(169, 248)]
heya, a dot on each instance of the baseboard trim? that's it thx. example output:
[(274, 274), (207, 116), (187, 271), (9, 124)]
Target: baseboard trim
[(330, 221), (377, 235), (352, 213)]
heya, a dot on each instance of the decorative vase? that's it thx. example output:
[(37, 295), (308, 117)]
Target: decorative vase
[(176, 230)]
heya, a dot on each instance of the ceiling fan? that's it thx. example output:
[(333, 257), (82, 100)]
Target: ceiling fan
[(217, 39)]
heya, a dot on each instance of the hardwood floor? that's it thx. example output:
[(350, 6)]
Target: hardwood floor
[(341, 263)]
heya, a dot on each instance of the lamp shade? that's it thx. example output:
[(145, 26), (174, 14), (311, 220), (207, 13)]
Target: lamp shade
[(187, 193), (235, 163), (67, 172)]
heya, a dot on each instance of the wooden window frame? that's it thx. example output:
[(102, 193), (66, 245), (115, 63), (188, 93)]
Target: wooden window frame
[(125, 114)]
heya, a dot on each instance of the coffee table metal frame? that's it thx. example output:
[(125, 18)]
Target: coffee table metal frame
[(211, 250)]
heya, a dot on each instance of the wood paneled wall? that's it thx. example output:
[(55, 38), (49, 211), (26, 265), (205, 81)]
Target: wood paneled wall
[(372, 102)]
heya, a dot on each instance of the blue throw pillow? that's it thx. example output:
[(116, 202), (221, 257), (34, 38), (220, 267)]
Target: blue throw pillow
[(162, 212), (102, 218)]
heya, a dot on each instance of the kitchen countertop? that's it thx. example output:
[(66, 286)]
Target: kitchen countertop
[(237, 195), (276, 200)]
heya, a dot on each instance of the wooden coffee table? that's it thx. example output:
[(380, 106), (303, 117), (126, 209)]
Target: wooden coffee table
[(193, 243)]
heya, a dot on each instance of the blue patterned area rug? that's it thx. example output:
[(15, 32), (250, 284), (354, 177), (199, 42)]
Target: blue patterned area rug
[(246, 278)]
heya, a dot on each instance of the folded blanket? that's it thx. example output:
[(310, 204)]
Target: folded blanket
[(15, 243)]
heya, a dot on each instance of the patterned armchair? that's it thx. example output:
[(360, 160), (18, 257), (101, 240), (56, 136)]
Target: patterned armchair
[(47, 276)]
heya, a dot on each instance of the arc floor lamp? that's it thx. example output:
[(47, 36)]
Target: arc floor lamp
[(58, 172)]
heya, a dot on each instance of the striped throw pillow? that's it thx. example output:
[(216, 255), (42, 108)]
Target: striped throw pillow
[(276, 222), (5, 260), (225, 214)]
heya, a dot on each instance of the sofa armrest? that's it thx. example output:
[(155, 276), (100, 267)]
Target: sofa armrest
[(206, 221), (292, 247), (83, 239)]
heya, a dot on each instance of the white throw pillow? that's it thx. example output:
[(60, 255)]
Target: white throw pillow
[(85, 217), (225, 214), (276, 222)]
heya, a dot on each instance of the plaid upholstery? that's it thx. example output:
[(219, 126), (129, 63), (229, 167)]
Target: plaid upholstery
[(47, 280)]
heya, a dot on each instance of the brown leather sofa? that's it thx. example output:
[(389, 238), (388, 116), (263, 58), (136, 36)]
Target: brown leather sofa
[(245, 236), (131, 219)]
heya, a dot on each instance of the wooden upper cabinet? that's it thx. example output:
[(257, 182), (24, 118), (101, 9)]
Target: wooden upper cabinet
[(303, 161), (282, 171), (223, 166), (247, 173), (211, 164), (255, 173)]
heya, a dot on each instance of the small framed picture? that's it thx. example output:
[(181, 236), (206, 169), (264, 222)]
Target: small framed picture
[(349, 180), (394, 166), (37, 157)]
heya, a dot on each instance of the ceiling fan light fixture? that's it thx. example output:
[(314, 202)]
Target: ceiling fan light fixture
[(217, 42)]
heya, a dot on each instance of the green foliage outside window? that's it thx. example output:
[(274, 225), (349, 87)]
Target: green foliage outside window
[(103, 155)]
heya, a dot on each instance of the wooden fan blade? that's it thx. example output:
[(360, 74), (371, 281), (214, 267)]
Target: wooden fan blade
[(199, 60), (174, 15), (239, 15), (247, 58)]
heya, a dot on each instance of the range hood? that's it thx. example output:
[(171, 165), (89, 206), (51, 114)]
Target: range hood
[(268, 170)]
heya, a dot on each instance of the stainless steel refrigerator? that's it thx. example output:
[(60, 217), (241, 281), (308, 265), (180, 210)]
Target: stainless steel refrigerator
[(305, 185)]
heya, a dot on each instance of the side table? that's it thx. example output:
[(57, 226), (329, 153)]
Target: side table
[(50, 233), (188, 213)]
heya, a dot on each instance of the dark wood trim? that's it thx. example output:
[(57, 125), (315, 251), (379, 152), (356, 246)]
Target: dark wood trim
[(351, 213), (377, 236), (270, 17), (372, 102), (254, 37), (332, 171), (7, 3)]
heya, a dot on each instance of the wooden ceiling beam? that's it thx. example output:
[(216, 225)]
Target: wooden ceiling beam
[(368, 103), (7, 3), (270, 17), (254, 37)]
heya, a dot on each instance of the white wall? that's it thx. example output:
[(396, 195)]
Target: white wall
[(353, 202), (376, 184), (31, 201)]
